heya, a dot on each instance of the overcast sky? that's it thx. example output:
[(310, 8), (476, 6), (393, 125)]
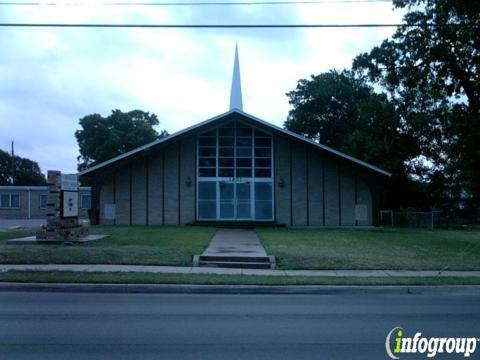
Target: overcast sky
[(51, 77)]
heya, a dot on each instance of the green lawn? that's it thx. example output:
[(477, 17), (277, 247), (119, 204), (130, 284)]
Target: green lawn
[(143, 245), (148, 278), (410, 249)]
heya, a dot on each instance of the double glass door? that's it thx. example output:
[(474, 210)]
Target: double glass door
[(235, 200)]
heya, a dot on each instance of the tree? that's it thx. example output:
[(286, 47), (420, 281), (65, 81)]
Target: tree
[(102, 138), (430, 71), (19, 171), (342, 111)]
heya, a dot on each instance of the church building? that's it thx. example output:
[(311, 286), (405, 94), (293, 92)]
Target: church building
[(236, 167)]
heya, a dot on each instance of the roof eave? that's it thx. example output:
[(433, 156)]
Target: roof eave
[(208, 121)]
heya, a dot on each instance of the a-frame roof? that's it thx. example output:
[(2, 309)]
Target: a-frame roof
[(220, 118)]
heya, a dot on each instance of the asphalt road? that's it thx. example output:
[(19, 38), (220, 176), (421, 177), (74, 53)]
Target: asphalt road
[(200, 326)]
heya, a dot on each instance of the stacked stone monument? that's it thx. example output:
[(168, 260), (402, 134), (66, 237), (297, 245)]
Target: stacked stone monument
[(62, 210)]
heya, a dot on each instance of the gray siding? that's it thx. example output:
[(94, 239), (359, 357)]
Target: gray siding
[(171, 185), (331, 193), (364, 198), (187, 170), (347, 195), (139, 193), (282, 173), (299, 185), (106, 197), (315, 189), (155, 189), (122, 196)]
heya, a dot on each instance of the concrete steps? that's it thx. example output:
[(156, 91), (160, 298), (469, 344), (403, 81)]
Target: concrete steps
[(243, 262)]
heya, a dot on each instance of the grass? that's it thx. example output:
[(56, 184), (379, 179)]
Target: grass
[(148, 278), (402, 249), (133, 245)]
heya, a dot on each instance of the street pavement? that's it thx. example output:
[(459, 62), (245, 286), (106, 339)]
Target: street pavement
[(208, 326)]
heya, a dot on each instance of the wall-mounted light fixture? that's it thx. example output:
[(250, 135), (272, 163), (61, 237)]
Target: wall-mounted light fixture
[(188, 181), (281, 183)]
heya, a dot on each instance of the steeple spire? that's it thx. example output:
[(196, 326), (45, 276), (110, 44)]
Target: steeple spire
[(236, 91)]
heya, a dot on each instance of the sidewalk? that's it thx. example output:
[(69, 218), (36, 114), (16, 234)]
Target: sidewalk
[(229, 271)]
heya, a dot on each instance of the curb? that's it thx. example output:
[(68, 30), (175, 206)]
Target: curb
[(239, 289)]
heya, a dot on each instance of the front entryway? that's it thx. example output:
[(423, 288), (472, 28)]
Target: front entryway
[(239, 248), (235, 174)]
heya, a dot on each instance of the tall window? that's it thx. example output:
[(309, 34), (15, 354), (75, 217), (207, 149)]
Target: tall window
[(43, 201), (235, 173), (9, 201), (86, 202)]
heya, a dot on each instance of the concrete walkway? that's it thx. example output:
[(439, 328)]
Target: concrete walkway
[(228, 271), (235, 242)]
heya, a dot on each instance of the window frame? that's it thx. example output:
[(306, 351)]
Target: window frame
[(10, 202), (82, 207)]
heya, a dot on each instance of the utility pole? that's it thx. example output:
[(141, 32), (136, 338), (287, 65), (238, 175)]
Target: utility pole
[(13, 163)]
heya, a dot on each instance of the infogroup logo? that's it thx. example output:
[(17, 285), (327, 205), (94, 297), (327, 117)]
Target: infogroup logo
[(397, 343)]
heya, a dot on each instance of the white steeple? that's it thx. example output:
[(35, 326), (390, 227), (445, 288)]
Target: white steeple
[(236, 92)]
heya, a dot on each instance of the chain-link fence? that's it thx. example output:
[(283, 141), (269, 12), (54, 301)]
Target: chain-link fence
[(425, 219)]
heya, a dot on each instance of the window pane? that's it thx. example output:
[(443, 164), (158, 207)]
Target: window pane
[(207, 209), (260, 133), (207, 141), (210, 133), (243, 211), (262, 162), (263, 210), (226, 210), (244, 151), (207, 172), (208, 151), (263, 191), (263, 152), (244, 141), (207, 190), (226, 131), (226, 151), (266, 142), (243, 191), (86, 202), (225, 162), (43, 201), (244, 172), (262, 173), (226, 141), (15, 201), (226, 191), (225, 172), (246, 162), (207, 162), (244, 132), (5, 201)]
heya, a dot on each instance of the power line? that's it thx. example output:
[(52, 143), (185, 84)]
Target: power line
[(204, 3), (226, 26), (213, 26)]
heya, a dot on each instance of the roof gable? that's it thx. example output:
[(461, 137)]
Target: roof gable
[(225, 117)]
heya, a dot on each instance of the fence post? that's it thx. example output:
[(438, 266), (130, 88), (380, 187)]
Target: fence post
[(432, 218)]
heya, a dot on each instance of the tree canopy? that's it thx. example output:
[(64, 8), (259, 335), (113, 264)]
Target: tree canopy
[(430, 71), (410, 105), (102, 138), (19, 171)]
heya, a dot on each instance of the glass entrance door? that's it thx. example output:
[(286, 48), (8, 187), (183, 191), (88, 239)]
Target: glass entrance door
[(235, 200), (235, 173)]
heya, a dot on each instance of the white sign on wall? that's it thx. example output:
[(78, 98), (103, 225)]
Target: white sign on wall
[(70, 204), (109, 211), (70, 182), (361, 213)]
